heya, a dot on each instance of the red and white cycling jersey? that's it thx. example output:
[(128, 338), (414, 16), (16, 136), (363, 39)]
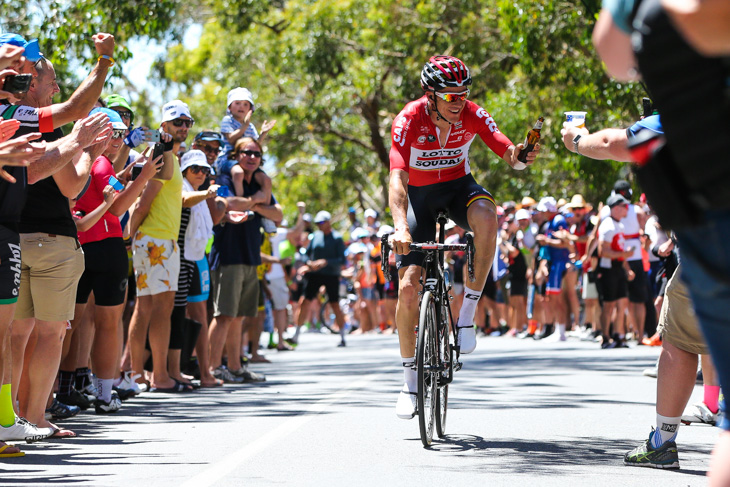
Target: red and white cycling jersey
[(416, 148)]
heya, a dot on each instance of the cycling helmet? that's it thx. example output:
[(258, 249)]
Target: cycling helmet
[(443, 72)]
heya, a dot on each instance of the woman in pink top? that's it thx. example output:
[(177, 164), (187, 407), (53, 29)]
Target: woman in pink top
[(107, 263)]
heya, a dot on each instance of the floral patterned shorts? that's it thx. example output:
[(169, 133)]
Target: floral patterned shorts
[(156, 264)]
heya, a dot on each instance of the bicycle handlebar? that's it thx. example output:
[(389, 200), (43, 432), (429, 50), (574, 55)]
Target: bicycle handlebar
[(425, 247)]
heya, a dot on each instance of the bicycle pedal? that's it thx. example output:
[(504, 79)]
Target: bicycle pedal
[(457, 365)]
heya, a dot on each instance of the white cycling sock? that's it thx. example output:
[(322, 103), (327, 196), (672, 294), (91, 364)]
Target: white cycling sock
[(468, 307), (105, 389), (666, 430), (410, 375)]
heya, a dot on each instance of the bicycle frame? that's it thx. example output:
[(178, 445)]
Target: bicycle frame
[(434, 276)]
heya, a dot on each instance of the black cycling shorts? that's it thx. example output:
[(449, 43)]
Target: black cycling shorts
[(314, 281), (107, 266), (639, 286), (425, 202), (612, 283), (9, 266)]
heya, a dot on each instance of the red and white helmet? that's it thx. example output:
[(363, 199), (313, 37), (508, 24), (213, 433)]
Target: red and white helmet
[(443, 72)]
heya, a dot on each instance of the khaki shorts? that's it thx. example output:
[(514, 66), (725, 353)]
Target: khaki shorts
[(235, 290), (279, 293), (156, 264), (49, 274), (677, 321)]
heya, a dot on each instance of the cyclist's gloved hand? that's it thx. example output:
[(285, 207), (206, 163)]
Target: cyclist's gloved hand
[(167, 141), (135, 137)]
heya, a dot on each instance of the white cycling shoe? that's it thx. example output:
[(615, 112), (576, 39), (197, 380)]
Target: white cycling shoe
[(467, 337), (405, 408)]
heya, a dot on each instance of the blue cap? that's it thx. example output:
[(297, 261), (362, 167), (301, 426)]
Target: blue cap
[(114, 117), (352, 209), (32, 50)]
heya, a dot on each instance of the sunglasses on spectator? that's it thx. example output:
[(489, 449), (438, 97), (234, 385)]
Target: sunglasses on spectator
[(118, 133), (124, 114), (179, 122), (451, 97), (208, 148), (199, 169), (253, 153)]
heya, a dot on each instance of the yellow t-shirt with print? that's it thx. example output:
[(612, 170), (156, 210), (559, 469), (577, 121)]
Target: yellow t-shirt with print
[(163, 220)]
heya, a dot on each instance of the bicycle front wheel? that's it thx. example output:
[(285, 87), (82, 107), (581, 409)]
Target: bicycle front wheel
[(428, 360), (442, 393)]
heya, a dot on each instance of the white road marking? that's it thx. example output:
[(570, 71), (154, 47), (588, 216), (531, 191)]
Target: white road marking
[(219, 470)]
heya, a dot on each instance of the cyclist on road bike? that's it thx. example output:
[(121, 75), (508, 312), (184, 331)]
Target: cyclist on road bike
[(429, 171)]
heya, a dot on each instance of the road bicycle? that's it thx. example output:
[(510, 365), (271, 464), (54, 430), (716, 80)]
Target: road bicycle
[(437, 355)]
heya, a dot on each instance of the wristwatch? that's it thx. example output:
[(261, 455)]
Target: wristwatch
[(576, 139)]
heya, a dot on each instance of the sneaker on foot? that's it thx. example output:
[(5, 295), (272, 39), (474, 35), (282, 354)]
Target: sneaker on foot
[(467, 339), (405, 408), (75, 398), (225, 375), (112, 406), (699, 413), (91, 392), (645, 455), (24, 430), (554, 337), (248, 376), (59, 410), (129, 382)]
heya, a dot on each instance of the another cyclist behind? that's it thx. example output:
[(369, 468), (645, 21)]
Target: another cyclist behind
[(430, 170)]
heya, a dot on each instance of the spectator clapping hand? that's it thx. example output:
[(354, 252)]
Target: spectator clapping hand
[(92, 129), (99, 145), (8, 128), (10, 55), (266, 127), (20, 152)]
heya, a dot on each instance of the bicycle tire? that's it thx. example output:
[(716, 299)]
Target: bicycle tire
[(427, 359), (446, 358), (324, 317)]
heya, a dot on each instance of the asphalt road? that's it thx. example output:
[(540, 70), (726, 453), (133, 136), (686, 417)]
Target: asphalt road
[(520, 413)]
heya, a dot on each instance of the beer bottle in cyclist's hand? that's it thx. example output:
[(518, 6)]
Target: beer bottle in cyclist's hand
[(533, 137)]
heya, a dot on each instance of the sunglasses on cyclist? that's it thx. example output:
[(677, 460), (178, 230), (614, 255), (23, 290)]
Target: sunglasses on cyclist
[(199, 169), (253, 153), (118, 133), (452, 97), (179, 122)]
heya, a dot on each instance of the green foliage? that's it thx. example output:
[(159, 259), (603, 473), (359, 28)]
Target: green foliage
[(335, 73)]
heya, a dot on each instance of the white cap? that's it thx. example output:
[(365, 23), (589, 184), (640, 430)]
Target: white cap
[(307, 217), (449, 225), (359, 233), (194, 158), (322, 217), (357, 248), (548, 203), (370, 212), (175, 109), (522, 214), (240, 94), (385, 230)]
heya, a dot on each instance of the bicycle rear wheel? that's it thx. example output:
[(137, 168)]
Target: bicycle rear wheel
[(427, 359), (442, 393)]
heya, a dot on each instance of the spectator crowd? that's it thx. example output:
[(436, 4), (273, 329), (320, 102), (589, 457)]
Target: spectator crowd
[(130, 265)]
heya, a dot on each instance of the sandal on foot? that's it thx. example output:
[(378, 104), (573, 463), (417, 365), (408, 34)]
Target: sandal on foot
[(178, 387), (6, 454)]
